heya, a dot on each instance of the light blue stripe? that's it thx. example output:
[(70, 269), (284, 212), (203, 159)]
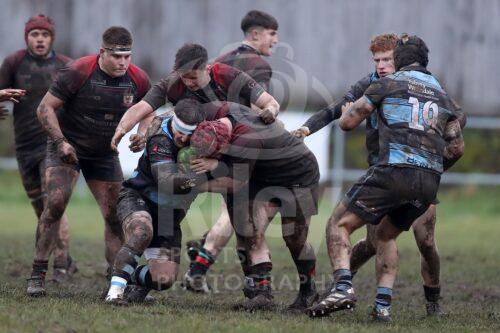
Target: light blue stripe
[(403, 154), (165, 127), (119, 284), (142, 275), (384, 291), (426, 79), (137, 258), (129, 269)]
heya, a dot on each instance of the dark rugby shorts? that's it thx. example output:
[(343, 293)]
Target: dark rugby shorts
[(32, 168), (105, 168), (399, 192)]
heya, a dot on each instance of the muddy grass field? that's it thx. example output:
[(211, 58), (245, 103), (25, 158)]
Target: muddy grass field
[(468, 235)]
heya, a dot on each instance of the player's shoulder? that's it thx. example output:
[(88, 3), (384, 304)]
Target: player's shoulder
[(83, 66), (140, 78), (15, 58), (366, 80), (138, 73), (173, 87), (221, 68)]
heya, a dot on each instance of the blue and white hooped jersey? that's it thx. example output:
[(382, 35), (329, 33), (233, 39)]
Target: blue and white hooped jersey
[(413, 111)]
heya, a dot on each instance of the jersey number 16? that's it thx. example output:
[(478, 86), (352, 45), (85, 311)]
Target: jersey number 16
[(429, 114)]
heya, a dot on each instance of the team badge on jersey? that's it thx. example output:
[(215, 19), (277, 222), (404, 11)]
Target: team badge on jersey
[(128, 99)]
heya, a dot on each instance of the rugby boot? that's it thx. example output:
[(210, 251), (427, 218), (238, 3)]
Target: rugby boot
[(381, 314), (118, 300), (138, 294), (62, 275), (434, 309), (262, 300), (305, 299), (36, 286), (336, 300), (196, 283)]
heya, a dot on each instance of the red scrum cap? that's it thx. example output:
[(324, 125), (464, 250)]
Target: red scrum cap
[(39, 21), (209, 138)]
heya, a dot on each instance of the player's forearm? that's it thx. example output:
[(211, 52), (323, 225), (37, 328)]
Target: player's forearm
[(48, 118), (222, 185), (355, 114), (134, 115), (266, 101), (322, 118), (173, 183), (452, 153), (144, 124)]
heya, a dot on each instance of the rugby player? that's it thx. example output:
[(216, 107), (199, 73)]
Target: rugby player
[(151, 206), (95, 91), (382, 48), (419, 137), (260, 35), (192, 77), (33, 70), (264, 170)]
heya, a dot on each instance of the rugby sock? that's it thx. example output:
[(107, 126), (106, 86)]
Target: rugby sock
[(432, 294), (61, 263), (117, 287), (126, 262), (243, 257), (343, 279), (261, 275), (383, 298), (142, 277), (202, 263), (40, 268), (307, 272)]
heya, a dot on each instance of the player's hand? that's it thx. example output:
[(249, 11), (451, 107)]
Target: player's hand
[(66, 152), (3, 112), (119, 133), (267, 115), (137, 142), (346, 106), (11, 95), (202, 165), (301, 132), (188, 183)]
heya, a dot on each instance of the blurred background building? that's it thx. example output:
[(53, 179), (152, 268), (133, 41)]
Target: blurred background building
[(323, 48)]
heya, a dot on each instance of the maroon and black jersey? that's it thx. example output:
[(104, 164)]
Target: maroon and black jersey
[(226, 84), (272, 156), (249, 60), (21, 70), (94, 103)]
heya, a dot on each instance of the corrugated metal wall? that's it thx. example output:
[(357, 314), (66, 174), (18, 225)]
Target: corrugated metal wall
[(323, 45)]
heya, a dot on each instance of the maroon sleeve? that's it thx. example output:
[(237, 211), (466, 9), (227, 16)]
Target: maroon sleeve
[(72, 77), (260, 71), (169, 89), (141, 80), (238, 84), (9, 67)]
